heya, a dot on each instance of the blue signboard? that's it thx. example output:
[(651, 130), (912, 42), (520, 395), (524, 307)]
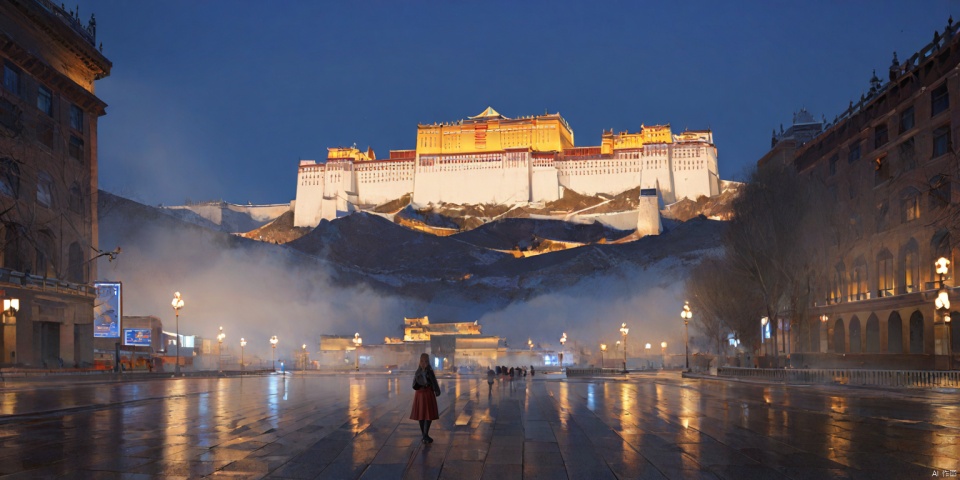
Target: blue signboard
[(136, 337), (106, 310)]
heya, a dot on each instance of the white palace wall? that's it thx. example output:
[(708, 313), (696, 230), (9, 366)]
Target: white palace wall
[(382, 181), (310, 179), (695, 171), (685, 168), (473, 179)]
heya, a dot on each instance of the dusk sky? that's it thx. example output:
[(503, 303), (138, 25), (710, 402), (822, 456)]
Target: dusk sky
[(219, 100)]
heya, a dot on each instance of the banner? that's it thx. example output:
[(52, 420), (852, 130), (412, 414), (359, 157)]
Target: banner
[(106, 310), (136, 337)]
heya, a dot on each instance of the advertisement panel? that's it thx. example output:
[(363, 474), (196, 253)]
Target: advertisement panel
[(106, 310), (136, 337)]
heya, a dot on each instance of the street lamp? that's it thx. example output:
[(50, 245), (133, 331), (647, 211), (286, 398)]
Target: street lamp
[(563, 340), (763, 333), (177, 304), (942, 302), (220, 338), (663, 355), (303, 357), (647, 352), (273, 354), (357, 341), (686, 315), (243, 343), (624, 331), (603, 348)]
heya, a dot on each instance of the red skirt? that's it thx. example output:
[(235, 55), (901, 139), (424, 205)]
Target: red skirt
[(424, 405)]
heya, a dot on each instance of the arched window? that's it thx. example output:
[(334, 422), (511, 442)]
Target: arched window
[(9, 177), (873, 334), (886, 286), (916, 332), (839, 337), (46, 260), (75, 262), (855, 338), (894, 333), (910, 256), (859, 280), (839, 282)]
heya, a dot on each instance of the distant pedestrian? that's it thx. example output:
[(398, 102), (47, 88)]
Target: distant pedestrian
[(490, 376), (498, 370), (532, 371), (425, 400)]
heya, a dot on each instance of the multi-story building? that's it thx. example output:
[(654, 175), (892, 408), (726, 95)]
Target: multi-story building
[(890, 166), (492, 159), (48, 182)]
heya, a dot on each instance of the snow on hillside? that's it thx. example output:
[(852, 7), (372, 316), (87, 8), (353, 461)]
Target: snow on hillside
[(363, 272)]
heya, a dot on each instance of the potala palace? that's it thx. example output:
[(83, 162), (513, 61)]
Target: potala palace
[(492, 159)]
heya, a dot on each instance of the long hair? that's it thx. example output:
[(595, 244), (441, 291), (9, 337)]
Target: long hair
[(424, 362)]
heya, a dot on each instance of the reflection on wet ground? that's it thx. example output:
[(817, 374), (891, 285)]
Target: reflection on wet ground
[(347, 426)]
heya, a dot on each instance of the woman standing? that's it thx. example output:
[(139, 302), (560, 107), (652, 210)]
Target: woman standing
[(425, 400)]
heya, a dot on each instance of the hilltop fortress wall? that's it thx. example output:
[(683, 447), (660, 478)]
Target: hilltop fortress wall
[(491, 159)]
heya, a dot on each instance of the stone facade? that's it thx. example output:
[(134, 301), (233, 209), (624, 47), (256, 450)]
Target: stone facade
[(890, 165), (48, 182)]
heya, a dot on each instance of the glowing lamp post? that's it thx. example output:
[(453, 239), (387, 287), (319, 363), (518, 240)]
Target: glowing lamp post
[(220, 338), (647, 351), (624, 331), (663, 354), (563, 340), (243, 343), (603, 348), (686, 315), (357, 342), (273, 354), (763, 333), (177, 304), (303, 356), (942, 303)]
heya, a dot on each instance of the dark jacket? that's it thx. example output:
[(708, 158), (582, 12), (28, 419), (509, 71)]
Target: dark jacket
[(425, 378)]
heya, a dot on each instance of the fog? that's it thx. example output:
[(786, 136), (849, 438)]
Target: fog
[(257, 290), (648, 300)]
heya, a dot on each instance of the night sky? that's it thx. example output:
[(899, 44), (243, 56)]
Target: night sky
[(219, 100)]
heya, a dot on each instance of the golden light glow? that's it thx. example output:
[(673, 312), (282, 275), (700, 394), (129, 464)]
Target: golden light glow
[(491, 132)]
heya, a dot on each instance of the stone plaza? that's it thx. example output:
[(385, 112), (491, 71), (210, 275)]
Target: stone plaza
[(304, 426)]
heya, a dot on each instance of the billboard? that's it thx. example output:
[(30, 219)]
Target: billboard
[(106, 310), (136, 337)]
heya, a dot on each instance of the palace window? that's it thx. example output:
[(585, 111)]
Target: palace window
[(906, 119), (854, 153), (880, 136), (11, 79), (908, 157), (44, 189), (885, 274), (941, 140), (881, 170), (911, 269), (939, 100), (939, 191), (9, 178), (76, 118), (909, 204), (45, 100), (76, 148)]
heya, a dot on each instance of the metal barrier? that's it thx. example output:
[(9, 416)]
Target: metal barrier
[(886, 378), (576, 372)]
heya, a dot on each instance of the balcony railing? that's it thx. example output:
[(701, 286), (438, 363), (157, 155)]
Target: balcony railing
[(36, 282)]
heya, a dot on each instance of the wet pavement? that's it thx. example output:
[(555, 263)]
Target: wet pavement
[(356, 426)]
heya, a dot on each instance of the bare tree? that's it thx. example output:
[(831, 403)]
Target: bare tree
[(723, 304)]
